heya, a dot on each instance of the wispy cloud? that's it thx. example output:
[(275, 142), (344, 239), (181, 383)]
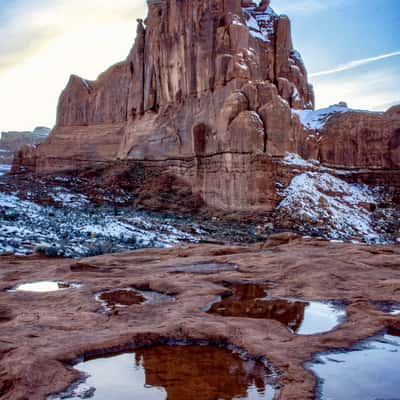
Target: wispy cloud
[(47, 40), (29, 29), (374, 88), (305, 6), (355, 64)]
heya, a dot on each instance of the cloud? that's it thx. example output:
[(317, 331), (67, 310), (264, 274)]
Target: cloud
[(370, 88), (355, 64), (29, 29), (305, 6), (47, 41)]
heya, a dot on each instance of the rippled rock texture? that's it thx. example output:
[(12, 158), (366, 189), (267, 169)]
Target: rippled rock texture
[(43, 333)]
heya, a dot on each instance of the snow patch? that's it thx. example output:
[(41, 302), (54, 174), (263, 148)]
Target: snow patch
[(4, 169), (326, 203), (260, 23), (79, 229), (295, 160), (316, 119)]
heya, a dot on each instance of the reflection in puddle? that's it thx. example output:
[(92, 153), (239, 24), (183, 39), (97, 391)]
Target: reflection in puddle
[(367, 372), (303, 318), (388, 307), (44, 287), (204, 268), (174, 373), (121, 298)]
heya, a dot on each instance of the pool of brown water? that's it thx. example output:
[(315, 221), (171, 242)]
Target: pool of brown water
[(174, 373), (249, 300), (120, 298)]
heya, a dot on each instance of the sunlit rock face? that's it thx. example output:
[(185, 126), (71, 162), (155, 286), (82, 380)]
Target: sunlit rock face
[(212, 93), (207, 79)]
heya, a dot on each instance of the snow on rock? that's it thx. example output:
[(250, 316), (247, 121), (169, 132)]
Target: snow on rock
[(65, 198), (78, 229), (4, 168), (316, 119), (297, 161), (260, 23), (324, 204)]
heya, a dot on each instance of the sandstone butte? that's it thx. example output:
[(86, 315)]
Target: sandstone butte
[(208, 95)]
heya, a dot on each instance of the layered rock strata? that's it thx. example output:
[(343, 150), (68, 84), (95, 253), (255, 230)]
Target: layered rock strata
[(214, 93), (10, 142)]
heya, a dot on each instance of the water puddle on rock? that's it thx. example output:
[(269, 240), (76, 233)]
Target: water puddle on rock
[(43, 287), (369, 371), (301, 317), (173, 373), (388, 307), (121, 298), (203, 268)]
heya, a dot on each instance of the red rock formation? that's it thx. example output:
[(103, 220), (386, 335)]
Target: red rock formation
[(207, 92), (10, 142), (359, 139)]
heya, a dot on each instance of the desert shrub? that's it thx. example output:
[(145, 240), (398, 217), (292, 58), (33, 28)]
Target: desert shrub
[(99, 248), (49, 251)]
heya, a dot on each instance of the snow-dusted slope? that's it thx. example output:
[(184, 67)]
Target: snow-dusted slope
[(316, 119), (77, 229), (321, 203)]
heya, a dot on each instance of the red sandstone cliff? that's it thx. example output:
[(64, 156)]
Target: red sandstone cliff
[(10, 142), (209, 93)]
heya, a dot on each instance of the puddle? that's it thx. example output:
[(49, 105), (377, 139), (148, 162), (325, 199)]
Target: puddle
[(204, 268), (368, 371), (173, 373), (302, 318), (121, 298), (388, 307), (43, 287)]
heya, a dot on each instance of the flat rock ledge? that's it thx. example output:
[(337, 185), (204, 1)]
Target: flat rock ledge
[(42, 334)]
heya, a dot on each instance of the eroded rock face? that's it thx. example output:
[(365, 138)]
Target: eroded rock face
[(362, 140), (10, 142), (208, 94), (214, 77)]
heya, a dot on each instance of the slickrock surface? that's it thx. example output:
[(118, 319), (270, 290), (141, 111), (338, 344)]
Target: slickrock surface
[(40, 332)]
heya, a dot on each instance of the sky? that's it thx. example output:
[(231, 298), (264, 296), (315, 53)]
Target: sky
[(351, 49)]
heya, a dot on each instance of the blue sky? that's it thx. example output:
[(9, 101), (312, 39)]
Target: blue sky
[(351, 49)]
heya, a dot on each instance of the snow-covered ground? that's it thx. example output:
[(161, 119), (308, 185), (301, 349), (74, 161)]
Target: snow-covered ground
[(80, 229), (319, 202), (4, 168)]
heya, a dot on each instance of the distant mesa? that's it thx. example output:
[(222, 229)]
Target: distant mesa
[(10, 142)]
